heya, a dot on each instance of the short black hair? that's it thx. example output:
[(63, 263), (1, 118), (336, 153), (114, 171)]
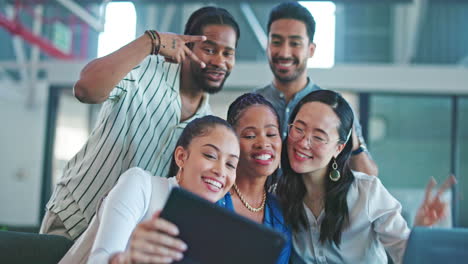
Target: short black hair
[(210, 15), (293, 10)]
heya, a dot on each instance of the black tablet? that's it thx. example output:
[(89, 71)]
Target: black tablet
[(216, 235)]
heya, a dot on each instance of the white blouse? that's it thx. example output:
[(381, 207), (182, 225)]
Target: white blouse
[(135, 198), (376, 225)]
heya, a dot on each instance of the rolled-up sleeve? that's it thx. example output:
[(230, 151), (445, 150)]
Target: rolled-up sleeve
[(384, 212)]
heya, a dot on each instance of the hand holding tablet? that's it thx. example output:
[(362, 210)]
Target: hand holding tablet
[(216, 235)]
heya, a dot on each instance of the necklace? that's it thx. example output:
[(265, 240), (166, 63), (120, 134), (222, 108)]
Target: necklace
[(253, 209)]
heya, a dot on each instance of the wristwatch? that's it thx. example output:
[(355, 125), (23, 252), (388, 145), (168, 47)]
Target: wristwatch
[(360, 149)]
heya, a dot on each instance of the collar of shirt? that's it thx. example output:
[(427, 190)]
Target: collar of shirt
[(307, 89), (285, 108), (203, 110)]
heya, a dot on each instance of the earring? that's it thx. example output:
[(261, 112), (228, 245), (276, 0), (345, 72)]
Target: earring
[(334, 173), (179, 175)]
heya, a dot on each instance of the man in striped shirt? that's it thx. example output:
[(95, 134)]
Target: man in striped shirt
[(147, 101)]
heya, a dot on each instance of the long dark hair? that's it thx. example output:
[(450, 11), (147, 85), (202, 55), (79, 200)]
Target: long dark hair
[(196, 128), (291, 189), (239, 106)]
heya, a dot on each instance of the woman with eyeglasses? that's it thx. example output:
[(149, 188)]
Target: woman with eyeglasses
[(338, 215)]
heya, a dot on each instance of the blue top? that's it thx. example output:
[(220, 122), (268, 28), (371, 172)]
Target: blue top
[(273, 218)]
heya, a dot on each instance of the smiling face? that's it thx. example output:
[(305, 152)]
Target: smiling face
[(218, 53), (260, 141), (317, 120), (208, 165), (289, 49)]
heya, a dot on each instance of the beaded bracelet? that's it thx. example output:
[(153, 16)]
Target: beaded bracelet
[(159, 43), (150, 34), (154, 35)]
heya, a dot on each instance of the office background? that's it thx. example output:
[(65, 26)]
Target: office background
[(402, 64)]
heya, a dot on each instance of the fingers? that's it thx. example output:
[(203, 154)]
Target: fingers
[(165, 226), (451, 180), (120, 258), (188, 52), (154, 241), (166, 241), (139, 257), (174, 50), (429, 187), (433, 209), (161, 232), (189, 39), (156, 214), (153, 249), (194, 57)]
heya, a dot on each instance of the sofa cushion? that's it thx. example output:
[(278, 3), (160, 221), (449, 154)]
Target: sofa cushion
[(19, 247)]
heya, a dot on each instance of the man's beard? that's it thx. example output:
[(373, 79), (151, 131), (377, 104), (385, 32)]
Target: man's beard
[(293, 75), (198, 76)]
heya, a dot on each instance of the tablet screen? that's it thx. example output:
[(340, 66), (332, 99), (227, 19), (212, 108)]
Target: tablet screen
[(217, 235)]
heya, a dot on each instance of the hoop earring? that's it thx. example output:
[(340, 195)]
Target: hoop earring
[(334, 173)]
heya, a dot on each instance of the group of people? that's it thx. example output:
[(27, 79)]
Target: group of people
[(155, 132)]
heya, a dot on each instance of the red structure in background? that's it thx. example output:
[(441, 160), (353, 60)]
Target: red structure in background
[(16, 28)]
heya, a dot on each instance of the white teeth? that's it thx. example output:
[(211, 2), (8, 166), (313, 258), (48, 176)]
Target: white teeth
[(263, 157), (286, 64), (215, 73), (214, 183), (302, 155)]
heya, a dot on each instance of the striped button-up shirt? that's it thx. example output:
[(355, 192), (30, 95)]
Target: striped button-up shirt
[(138, 126)]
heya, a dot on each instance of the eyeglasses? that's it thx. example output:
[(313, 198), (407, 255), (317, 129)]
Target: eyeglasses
[(316, 140)]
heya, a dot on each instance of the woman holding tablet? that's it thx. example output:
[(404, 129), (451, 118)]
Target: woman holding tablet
[(127, 223)]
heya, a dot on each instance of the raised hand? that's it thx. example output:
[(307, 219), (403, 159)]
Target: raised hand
[(152, 241), (433, 209), (173, 47)]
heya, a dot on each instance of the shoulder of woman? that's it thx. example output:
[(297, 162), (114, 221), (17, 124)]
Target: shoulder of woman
[(131, 182), (365, 181), (363, 178), (136, 175)]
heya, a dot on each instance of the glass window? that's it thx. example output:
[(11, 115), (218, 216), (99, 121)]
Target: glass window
[(117, 31), (324, 15), (410, 140), (72, 131), (462, 158)]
